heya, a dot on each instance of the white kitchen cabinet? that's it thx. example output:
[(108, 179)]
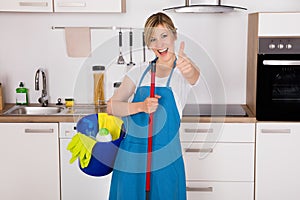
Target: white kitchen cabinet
[(219, 160), (99, 6), (105, 6), (29, 161), (277, 161), (284, 26), (26, 5)]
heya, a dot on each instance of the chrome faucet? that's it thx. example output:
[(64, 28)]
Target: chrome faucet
[(44, 98)]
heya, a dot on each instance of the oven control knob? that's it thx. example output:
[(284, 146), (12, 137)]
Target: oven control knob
[(280, 46), (272, 46), (289, 46)]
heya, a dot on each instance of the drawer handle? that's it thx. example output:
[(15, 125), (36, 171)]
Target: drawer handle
[(201, 130), (199, 189), (36, 4), (191, 150), (31, 130), (275, 130), (71, 4)]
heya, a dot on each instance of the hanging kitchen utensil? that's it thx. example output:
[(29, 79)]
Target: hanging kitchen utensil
[(121, 60), (130, 64), (144, 50), (150, 132)]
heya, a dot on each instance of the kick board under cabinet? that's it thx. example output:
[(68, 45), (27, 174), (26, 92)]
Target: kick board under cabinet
[(219, 160)]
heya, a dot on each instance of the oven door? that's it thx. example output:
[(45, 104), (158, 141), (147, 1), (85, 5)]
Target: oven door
[(278, 87)]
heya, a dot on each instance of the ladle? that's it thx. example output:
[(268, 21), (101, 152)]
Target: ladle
[(130, 64), (121, 60)]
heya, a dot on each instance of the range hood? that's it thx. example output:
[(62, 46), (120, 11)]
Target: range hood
[(205, 8)]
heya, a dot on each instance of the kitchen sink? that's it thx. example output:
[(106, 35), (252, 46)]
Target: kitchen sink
[(34, 110)]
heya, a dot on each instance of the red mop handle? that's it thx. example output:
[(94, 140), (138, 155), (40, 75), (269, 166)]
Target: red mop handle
[(150, 130)]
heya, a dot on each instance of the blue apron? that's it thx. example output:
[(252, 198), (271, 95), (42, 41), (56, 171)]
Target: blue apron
[(167, 167)]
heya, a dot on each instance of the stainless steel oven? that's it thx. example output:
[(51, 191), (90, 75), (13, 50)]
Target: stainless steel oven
[(278, 79)]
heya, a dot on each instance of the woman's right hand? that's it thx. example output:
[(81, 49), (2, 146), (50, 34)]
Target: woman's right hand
[(150, 104)]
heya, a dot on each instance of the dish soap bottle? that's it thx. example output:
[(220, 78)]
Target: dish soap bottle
[(103, 135), (21, 95)]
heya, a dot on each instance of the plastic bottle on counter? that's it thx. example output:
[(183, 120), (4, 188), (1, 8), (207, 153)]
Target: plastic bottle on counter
[(21, 95)]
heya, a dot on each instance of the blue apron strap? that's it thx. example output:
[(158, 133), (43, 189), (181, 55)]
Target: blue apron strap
[(170, 76)]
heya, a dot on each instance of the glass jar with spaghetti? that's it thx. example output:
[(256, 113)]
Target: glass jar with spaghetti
[(99, 93)]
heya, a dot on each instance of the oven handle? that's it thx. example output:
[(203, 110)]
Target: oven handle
[(281, 62)]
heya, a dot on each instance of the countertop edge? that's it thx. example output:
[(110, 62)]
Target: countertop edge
[(74, 118)]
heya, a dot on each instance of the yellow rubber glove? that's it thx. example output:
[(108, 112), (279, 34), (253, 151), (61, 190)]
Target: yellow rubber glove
[(112, 123), (81, 147)]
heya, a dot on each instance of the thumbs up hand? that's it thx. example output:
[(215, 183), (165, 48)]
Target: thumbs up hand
[(186, 66)]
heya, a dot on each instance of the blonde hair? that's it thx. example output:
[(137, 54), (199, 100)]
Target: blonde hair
[(158, 19)]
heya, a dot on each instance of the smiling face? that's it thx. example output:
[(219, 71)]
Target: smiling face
[(162, 43), (160, 35)]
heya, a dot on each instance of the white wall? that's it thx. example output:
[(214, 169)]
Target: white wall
[(27, 42)]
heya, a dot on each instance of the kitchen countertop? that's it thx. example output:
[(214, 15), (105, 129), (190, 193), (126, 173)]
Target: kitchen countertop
[(248, 118)]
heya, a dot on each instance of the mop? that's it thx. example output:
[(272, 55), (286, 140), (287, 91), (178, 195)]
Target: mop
[(150, 130)]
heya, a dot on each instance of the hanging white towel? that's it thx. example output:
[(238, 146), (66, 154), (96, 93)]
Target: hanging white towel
[(78, 41)]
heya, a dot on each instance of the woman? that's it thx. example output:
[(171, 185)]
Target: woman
[(174, 78)]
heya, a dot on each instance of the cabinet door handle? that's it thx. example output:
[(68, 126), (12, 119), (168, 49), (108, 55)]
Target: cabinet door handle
[(191, 150), (35, 4), (71, 4), (276, 130), (201, 130), (199, 189), (33, 130)]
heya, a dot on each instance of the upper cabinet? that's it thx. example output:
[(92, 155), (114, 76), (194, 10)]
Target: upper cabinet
[(275, 24), (88, 6), (105, 6), (26, 5)]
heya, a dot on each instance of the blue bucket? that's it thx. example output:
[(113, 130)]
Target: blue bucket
[(103, 153)]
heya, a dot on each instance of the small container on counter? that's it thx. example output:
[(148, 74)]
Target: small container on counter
[(69, 102), (1, 98), (99, 93), (117, 85)]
